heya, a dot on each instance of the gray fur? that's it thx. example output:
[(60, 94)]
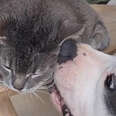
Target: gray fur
[(34, 29)]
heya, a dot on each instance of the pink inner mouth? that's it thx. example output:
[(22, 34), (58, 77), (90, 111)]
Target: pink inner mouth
[(59, 102)]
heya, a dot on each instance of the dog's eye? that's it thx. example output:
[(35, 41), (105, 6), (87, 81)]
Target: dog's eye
[(110, 82)]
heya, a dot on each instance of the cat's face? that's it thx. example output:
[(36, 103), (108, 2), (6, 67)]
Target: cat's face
[(26, 63), (26, 71)]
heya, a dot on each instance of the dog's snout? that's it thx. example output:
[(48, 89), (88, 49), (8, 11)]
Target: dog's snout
[(68, 51), (91, 71)]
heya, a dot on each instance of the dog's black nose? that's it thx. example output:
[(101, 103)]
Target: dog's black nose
[(68, 51)]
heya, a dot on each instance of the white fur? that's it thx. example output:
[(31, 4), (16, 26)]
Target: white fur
[(81, 81)]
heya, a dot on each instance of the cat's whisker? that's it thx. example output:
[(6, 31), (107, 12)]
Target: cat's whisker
[(43, 88), (48, 80), (35, 94), (42, 91), (38, 96), (31, 95)]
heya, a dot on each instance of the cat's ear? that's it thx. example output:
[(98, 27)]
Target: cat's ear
[(100, 38), (2, 40)]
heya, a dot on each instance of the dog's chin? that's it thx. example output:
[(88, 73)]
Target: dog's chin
[(58, 101)]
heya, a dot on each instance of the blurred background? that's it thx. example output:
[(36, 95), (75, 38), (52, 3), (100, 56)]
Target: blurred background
[(98, 1)]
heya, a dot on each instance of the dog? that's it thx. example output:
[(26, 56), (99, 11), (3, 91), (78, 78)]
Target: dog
[(85, 81), (31, 32)]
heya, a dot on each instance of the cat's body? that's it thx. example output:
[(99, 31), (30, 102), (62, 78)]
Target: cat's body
[(31, 31)]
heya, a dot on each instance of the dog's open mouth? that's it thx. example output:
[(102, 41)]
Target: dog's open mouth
[(59, 102)]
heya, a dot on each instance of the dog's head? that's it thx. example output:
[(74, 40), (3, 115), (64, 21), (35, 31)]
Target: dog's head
[(86, 81)]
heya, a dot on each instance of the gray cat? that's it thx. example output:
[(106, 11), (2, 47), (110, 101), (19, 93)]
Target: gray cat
[(31, 32)]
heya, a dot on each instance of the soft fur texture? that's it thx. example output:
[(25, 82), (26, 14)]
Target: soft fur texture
[(31, 31)]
